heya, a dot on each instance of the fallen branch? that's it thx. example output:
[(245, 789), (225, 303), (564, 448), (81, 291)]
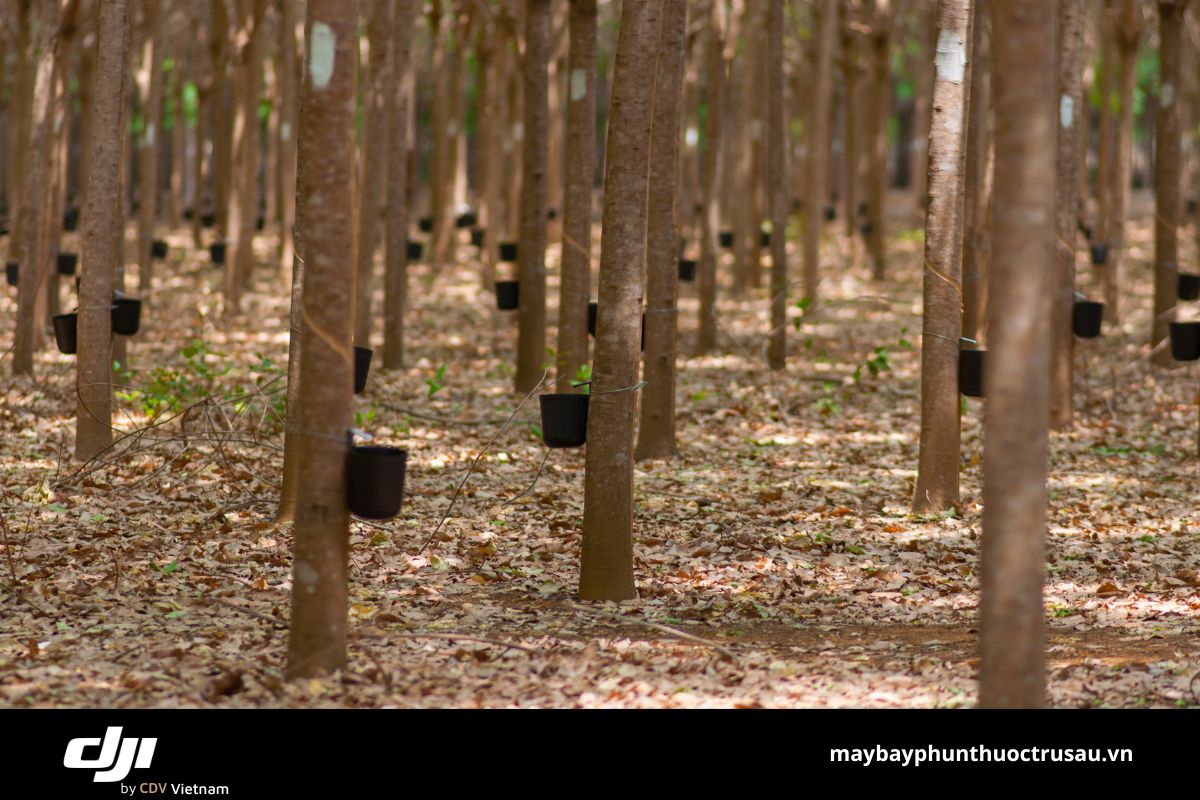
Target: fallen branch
[(724, 652)]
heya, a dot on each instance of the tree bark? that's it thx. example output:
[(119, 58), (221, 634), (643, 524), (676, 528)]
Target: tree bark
[(1168, 168), (374, 166), (150, 85), (1012, 627), (34, 252), (580, 167), (101, 226), (317, 640), (713, 176), (776, 176), (243, 194), (289, 116), (531, 339), (938, 463), (1070, 117), (977, 186), (882, 22), (818, 153), (1105, 153), (396, 268), (1129, 34), (606, 568), (656, 433)]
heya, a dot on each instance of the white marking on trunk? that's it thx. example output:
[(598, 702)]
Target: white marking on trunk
[(321, 55), (756, 129), (1168, 94), (951, 57), (578, 84), (285, 131), (1066, 110), (519, 131), (150, 134), (692, 137)]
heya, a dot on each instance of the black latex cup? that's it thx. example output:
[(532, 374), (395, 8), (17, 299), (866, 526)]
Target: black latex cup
[(126, 316), (1099, 254), (11, 271), (970, 372), (66, 331), (564, 419), (260, 223), (687, 269), (726, 239), (375, 481), (507, 296), (66, 263), (414, 250), (593, 312), (766, 239), (216, 251), (1086, 316), (159, 249), (362, 367), (208, 220), (71, 219), (465, 220), (508, 251), (830, 213), (477, 237), (425, 224), (1185, 341), (1188, 286)]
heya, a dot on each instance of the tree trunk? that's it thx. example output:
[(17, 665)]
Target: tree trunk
[(396, 277), (656, 433), (531, 340), (1105, 153), (1129, 33), (1012, 627), (1168, 167), (1070, 117), (101, 226), (880, 105), (776, 185), (374, 165), (977, 186), (922, 97), (606, 568), (243, 195), (317, 640), (818, 153), (938, 464), (34, 252), (851, 72), (580, 166), (289, 116), (713, 177), (150, 86)]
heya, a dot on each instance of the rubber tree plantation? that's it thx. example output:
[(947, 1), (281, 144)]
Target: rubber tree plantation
[(578, 353)]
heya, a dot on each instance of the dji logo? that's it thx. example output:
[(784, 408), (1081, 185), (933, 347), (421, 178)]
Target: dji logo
[(116, 755)]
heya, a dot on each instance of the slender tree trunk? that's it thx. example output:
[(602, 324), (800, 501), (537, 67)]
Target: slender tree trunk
[(713, 176), (150, 86), (243, 195), (656, 434), (1012, 627), (375, 153), (580, 169), (531, 341), (606, 569), (396, 277), (289, 116), (34, 253), (776, 185), (747, 138), (1105, 153), (922, 97), (101, 226), (1168, 167), (1070, 116), (977, 188), (938, 464), (222, 155), (1129, 33), (317, 640), (818, 136), (880, 105), (851, 73)]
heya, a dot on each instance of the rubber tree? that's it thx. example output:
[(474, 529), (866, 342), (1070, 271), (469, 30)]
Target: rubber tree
[(817, 162), (776, 179), (531, 320), (243, 184), (1130, 28), (1071, 21), (396, 266), (289, 114), (101, 226), (713, 168), (34, 246), (941, 322), (579, 177), (606, 566), (317, 636), (1168, 169), (1017, 370), (882, 24), (977, 187), (150, 80)]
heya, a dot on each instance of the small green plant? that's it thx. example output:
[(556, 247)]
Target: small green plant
[(583, 378), (363, 419), (828, 404), (437, 382), (802, 304)]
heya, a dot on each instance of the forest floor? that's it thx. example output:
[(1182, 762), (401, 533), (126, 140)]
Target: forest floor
[(778, 563)]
